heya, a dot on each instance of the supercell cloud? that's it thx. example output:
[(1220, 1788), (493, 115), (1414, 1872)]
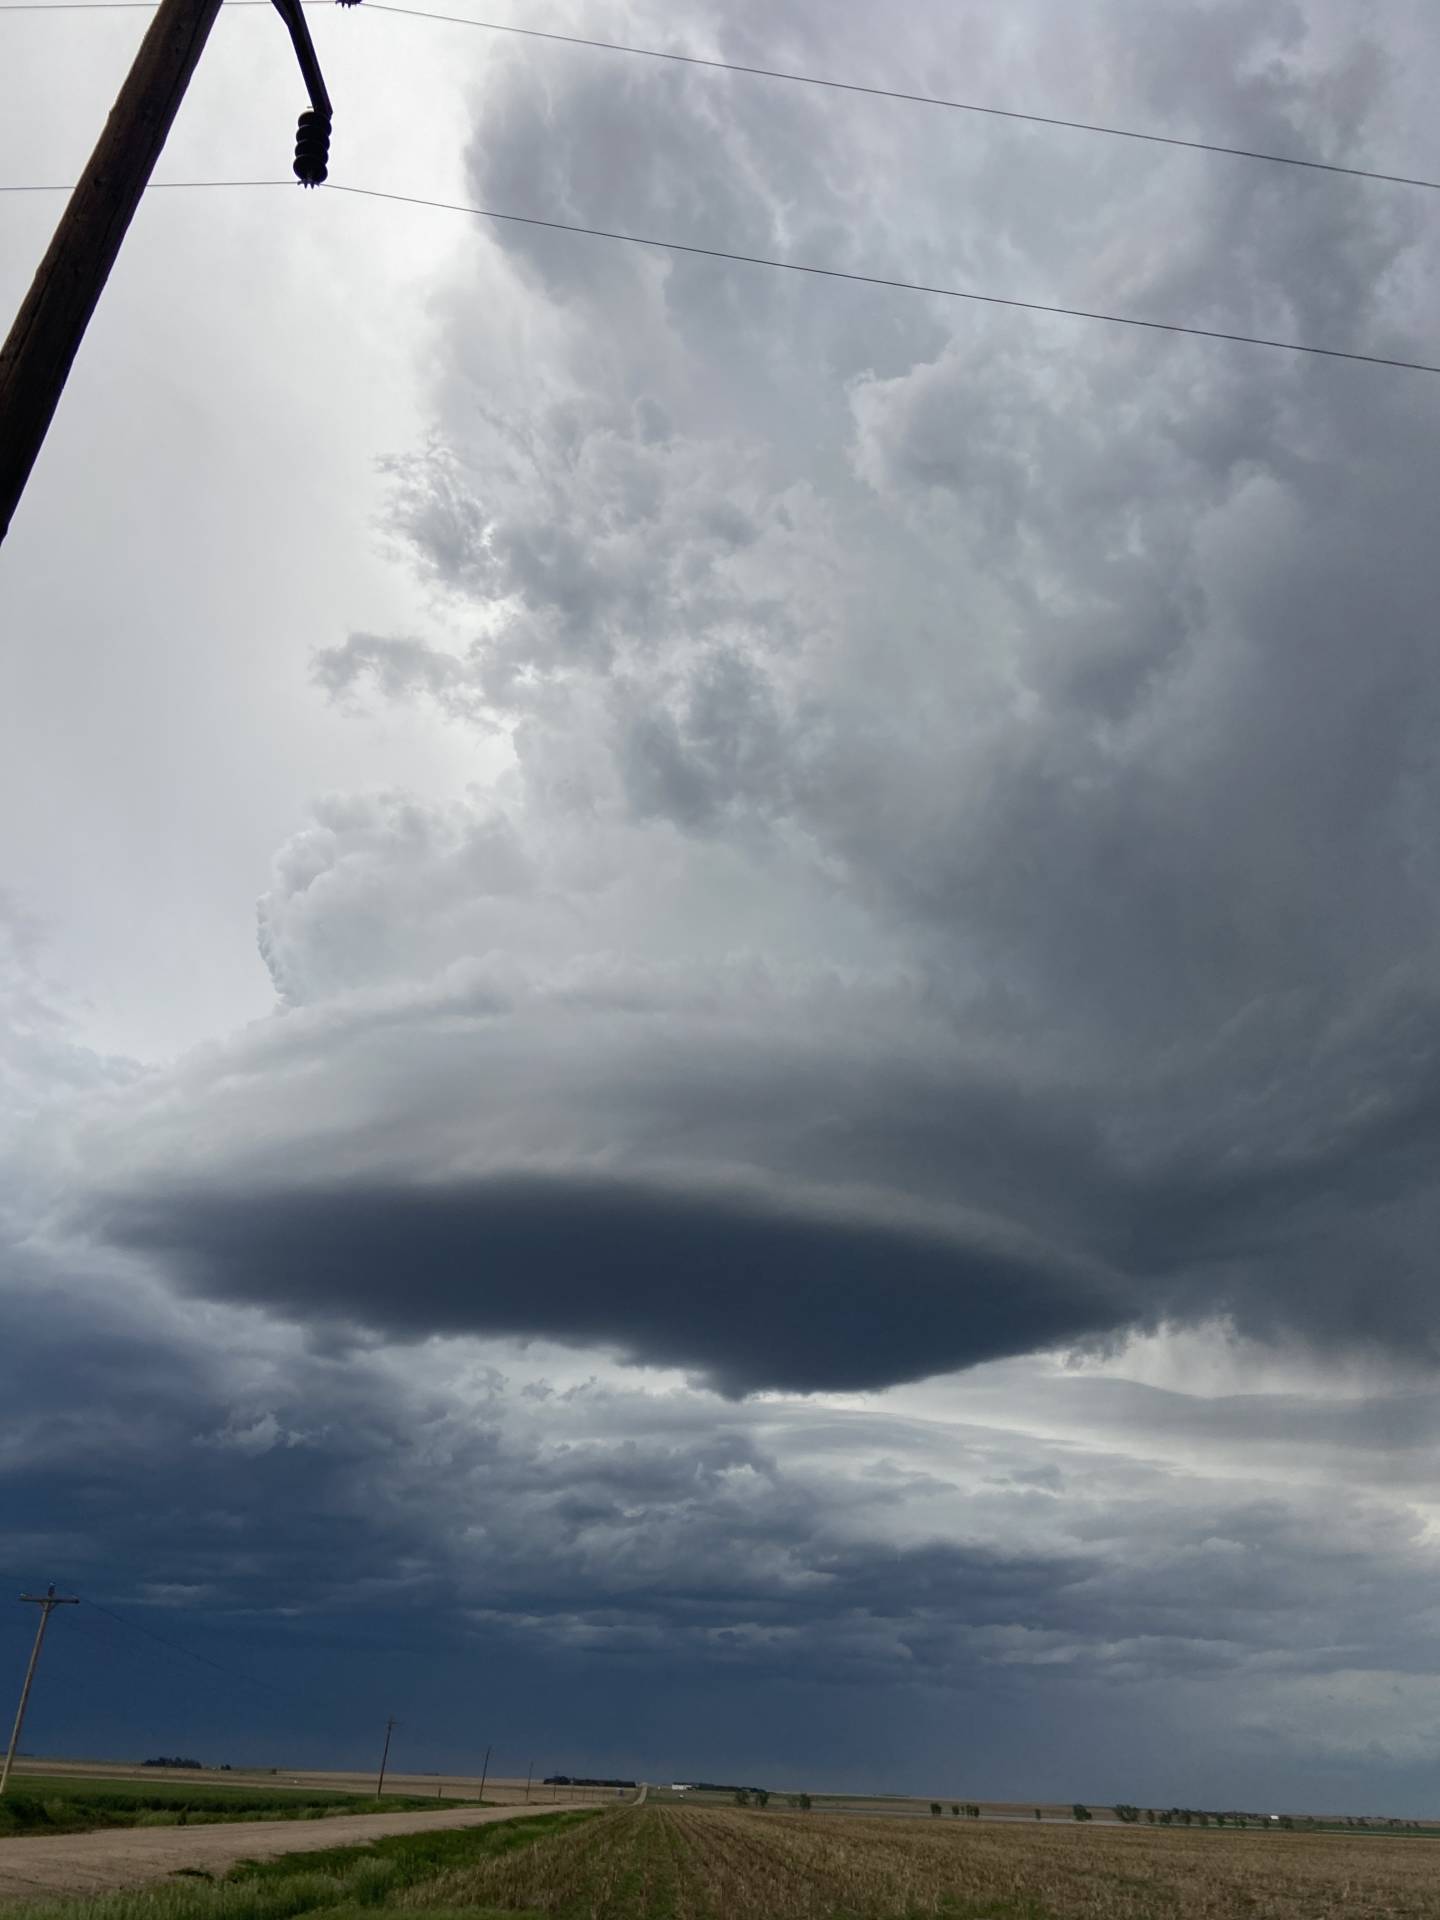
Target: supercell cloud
[(915, 876)]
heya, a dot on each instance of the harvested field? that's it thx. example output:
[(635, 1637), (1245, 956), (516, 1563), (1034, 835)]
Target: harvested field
[(696, 1864)]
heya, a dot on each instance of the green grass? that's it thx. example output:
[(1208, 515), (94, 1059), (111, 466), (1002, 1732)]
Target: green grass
[(349, 1881), (417, 1856), (46, 1803)]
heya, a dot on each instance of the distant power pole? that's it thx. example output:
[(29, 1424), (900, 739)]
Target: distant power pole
[(485, 1773), (529, 1776), (35, 361), (47, 1602), (390, 1726)]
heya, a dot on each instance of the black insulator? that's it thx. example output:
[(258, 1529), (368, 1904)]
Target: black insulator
[(312, 148)]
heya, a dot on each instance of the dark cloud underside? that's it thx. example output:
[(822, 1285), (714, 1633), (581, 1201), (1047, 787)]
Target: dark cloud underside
[(749, 1298)]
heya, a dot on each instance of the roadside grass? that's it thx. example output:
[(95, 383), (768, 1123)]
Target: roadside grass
[(43, 1803), (349, 1880), (415, 1857)]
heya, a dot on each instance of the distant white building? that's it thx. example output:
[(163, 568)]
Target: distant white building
[(680, 1786)]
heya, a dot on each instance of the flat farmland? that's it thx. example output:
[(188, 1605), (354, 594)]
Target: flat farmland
[(691, 1863), (316, 1784)]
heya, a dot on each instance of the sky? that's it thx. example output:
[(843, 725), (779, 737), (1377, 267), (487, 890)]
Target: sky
[(720, 1046)]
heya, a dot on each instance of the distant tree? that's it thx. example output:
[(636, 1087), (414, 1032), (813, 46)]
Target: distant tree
[(1127, 1813), (1037, 1813), (973, 1811), (936, 1809), (742, 1798), (1081, 1812), (1150, 1815), (762, 1797), (805, 1803)]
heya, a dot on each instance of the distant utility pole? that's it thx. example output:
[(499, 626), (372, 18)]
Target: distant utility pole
[(47, 1603), (485, 1773), (35, 361), (390, 1726), (529, 1776)]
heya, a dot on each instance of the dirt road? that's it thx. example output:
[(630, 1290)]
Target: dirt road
[(54, 1865)]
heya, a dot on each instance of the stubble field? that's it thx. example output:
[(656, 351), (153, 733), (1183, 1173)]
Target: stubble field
[(697, 1864)]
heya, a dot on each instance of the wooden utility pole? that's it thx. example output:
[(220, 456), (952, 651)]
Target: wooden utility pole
[(47, 1603), (35, 361), (46, 336), (390, 1726), (484, 1774)]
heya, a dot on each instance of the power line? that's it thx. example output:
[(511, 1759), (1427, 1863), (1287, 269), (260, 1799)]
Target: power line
[(176, 1646), (289, 1694), (795, 79), (902, 286), (822, 273), (913, 99), (292, 1691)]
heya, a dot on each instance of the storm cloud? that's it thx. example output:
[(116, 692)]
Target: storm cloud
[(749, 1297), (832, 1093)]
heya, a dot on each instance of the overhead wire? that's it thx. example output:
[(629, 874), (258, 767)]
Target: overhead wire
[(288, 1695), (904, 286), (305, 1692), (178, 1646), (818, 272), (786, 75), (89, 1604), (895, 93)]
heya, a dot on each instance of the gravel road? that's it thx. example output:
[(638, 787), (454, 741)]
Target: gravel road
[(68, 1864)]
